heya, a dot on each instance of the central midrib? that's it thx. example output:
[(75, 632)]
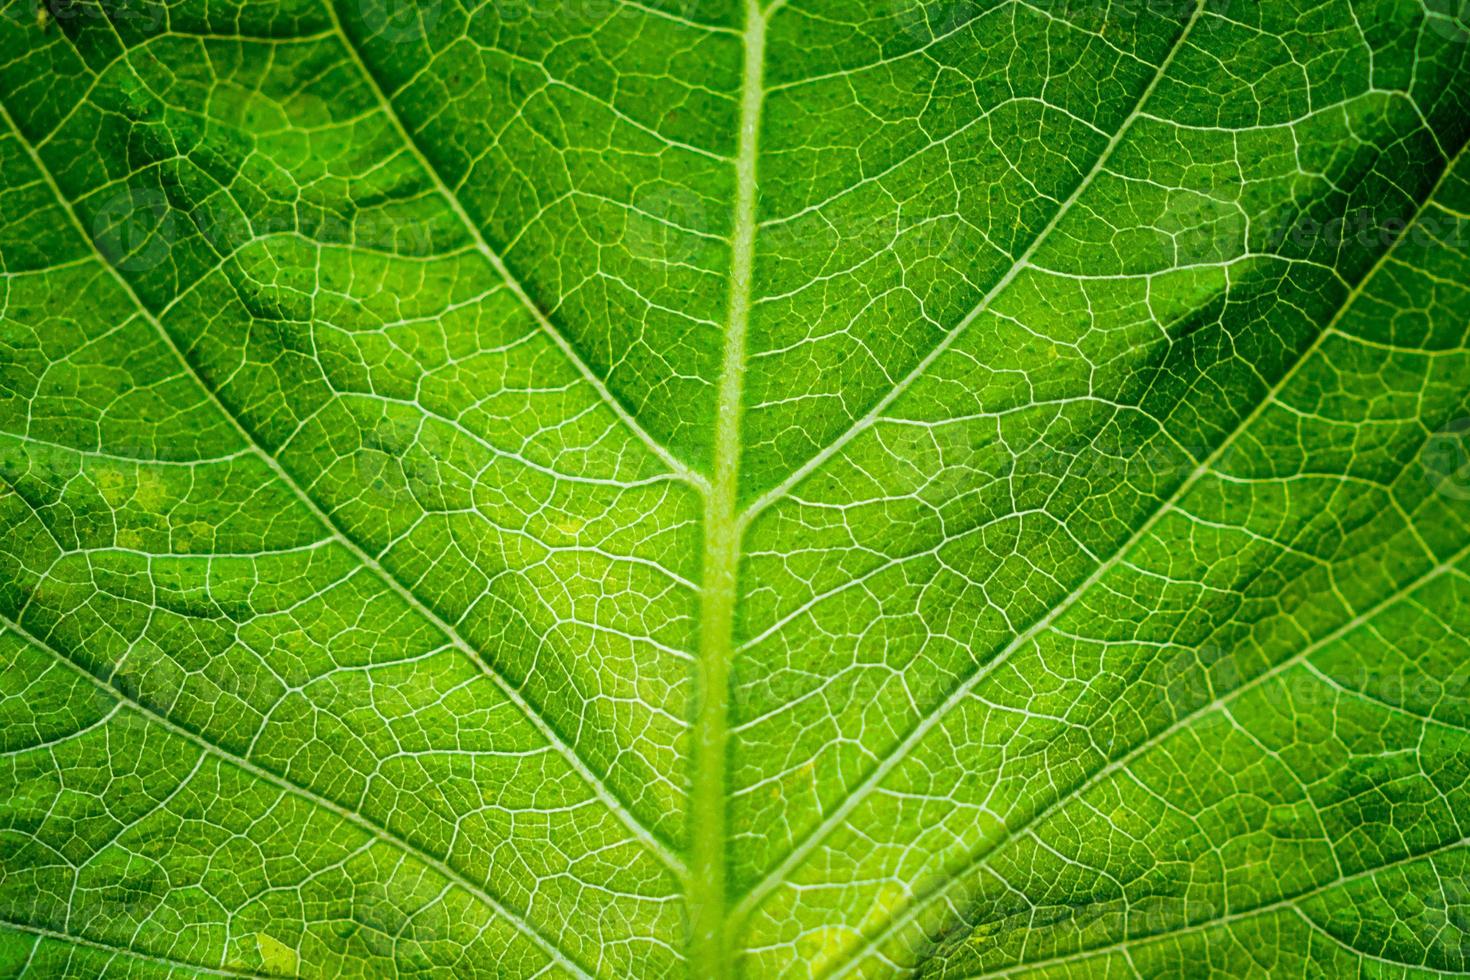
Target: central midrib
[(710, 952)]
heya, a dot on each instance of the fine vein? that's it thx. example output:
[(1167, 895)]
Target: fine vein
[(369, 827), (1016, 268), (598, 787), (675, 465), (840, 813)]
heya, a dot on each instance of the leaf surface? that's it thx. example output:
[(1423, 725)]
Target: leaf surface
[(660, 488)]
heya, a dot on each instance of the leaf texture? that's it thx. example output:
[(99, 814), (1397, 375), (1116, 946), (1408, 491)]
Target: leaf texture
[(733, 489)]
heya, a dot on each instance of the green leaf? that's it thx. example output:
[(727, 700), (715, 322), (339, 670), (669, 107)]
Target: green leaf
[(690, 487)]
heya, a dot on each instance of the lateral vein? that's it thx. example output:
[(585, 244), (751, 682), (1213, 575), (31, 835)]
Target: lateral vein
[(40, 932), (675, 465), (1167, 505), (1017, 267), (797, 854), (370, 827), (1291, 901), (603, 792), (981, 857)]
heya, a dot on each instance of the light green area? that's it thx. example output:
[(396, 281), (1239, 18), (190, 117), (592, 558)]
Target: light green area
[(733, 490)]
